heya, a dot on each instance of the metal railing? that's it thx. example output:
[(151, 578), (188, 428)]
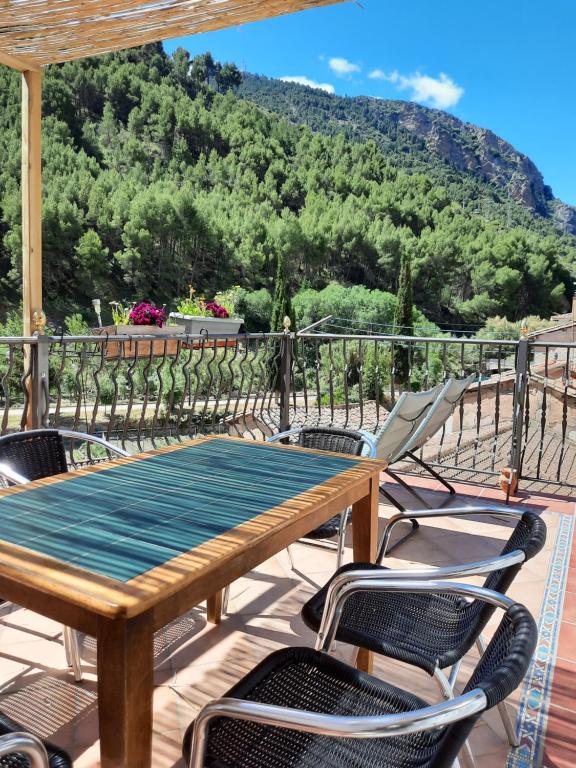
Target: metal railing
[(145, 390)]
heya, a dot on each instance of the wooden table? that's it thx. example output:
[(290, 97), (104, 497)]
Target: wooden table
[(121, 549)]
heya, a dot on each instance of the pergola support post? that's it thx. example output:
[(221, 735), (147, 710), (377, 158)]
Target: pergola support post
[(31, 200)]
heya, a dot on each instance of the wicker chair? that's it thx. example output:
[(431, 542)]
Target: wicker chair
[(338, 441), (429, 631), (22, 750), (39, 453), (302, 708)]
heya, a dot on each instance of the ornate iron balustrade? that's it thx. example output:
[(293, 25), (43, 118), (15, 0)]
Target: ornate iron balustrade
[(143, 391)]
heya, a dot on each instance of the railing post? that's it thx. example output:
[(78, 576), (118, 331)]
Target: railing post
[(39, 400), (286, 349), (520, 389)]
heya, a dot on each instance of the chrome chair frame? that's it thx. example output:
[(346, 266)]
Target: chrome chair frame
[(369, 442), (25, 744), (345, 584), (381, 726), (10, 477)]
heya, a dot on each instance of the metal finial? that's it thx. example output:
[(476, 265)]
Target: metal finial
[(524, 328), (38, 321), (286, 323)]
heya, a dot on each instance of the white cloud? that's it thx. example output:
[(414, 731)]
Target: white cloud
[(301, 80), (342, 67), (379, 74), (441, 92)]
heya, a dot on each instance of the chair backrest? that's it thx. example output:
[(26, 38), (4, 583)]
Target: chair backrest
[(442, 409), (403, 420), (332, 439), (39, 453), (529, 537), (499, 672), (34, 454)]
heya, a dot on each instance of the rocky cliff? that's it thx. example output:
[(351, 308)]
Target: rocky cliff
[(419, 138)]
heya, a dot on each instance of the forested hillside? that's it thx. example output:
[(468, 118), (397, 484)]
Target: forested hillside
[(157, 175), (480, 169)]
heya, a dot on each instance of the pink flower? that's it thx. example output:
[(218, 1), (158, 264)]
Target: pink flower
[(145, 313), (216, 310)]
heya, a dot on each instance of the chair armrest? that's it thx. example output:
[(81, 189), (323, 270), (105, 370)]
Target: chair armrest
[(93, 439), (423, 514), (25, 744), (282, 435), (338, 594), (370, 441), (378, 726), (15, 478)]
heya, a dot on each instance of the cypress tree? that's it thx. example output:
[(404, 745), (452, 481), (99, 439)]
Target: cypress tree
[(403, 323), (281, 303)]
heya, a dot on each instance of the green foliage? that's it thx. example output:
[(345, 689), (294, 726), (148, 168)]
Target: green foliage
[(156, 175), (75, 325), (501, 328), (120, 312)]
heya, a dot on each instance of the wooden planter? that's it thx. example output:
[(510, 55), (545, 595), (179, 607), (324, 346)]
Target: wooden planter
[(131, 349)]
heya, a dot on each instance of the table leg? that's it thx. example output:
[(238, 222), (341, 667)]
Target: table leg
[(214, 607), (365, 543), (125, 688)]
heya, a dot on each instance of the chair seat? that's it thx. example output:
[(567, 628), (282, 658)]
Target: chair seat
[(327, 530), (57, 758), (425, 630), (301, 678)]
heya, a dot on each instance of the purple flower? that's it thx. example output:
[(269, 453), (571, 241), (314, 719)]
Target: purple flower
[(145, 313), (216, 310)]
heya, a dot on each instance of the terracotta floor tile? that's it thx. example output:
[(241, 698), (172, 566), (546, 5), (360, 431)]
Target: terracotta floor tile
[(561, 731), (564, 684), (569, 607), (567, 641)]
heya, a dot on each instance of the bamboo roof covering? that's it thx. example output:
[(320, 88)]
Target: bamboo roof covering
[(34, 33)]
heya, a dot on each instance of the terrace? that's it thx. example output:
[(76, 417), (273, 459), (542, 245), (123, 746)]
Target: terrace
[(148, 392)]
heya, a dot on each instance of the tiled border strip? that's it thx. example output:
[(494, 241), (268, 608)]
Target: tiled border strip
[(535, 699)]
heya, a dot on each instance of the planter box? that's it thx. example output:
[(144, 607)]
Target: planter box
[(132, 349), (206, 326)]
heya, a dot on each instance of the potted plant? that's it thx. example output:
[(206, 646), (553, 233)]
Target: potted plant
[(143, 318), (195, 316)]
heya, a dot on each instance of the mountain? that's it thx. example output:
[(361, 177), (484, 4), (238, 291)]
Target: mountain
[(418, 139), (156, 175)]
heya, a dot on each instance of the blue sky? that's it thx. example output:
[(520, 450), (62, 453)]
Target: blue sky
[(507, 65)]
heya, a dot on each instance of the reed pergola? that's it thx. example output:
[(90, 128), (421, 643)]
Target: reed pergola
[(35, 33)]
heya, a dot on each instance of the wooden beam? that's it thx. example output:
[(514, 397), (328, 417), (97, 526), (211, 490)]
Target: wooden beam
[(31, 197), (16, 62)]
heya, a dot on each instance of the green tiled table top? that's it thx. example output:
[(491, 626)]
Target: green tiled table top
[(124, 520)]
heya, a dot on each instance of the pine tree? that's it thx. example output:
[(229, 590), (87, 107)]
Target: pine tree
[(403, 322), (281, 303)]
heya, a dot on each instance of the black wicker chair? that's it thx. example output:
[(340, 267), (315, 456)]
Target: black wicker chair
[(338, 441), (429, 631), (38, 453), (22, 750), (301, 708)]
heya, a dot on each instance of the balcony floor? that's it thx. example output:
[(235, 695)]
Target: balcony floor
[(196, 662)]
